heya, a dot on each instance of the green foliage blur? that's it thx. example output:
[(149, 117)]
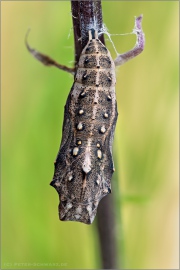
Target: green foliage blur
[(145, 183)]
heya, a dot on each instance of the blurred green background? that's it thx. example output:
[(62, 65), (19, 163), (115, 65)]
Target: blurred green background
[(145, 147)]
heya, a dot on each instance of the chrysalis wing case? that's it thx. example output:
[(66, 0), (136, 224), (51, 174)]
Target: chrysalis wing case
[(84, 165)]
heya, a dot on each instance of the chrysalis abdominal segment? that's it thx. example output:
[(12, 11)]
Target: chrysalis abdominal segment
[(84, 165)]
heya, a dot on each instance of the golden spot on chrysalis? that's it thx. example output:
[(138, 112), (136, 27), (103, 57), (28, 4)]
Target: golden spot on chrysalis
[(81, 111), (99, 154), (75, 151), (102, 129), (80, 126), (70, 178), (97, 181), (85, 75), (82, 94)]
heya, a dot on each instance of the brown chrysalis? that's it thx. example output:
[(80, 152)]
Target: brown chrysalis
[(84, 165)]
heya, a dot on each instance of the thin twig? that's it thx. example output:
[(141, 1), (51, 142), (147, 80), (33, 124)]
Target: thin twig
[(46, 60), (139, 47)]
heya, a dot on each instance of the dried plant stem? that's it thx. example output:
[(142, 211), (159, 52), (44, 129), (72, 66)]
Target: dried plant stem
[(83, 13), (46, 60)]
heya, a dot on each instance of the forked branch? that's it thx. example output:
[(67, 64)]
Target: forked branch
[(139, 47), (80, 36)]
